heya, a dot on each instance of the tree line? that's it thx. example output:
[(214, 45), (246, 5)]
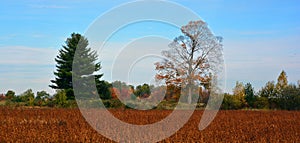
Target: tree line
[(279, 95)]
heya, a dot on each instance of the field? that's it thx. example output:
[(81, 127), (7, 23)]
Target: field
[(67, 125)]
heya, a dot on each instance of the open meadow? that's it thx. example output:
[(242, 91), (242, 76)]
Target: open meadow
[(68, 125)]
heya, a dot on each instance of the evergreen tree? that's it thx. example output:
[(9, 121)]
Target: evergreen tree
[(10, 94), (249, 94), (268, 90), (64, 60), (103, 89)]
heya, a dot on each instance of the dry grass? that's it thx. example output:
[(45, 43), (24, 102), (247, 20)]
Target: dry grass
[(67, 125)]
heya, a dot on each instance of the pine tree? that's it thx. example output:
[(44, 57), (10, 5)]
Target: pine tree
[(249, 94), (64, 60)]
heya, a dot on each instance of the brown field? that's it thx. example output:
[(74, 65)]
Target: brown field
[(67, 125)]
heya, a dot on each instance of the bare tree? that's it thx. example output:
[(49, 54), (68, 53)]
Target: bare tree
[(192, 59)]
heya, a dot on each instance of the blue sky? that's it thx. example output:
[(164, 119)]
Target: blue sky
[(261, 38)]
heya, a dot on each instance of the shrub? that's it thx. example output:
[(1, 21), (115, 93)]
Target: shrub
[(290, 98), (231, 102), (61, 98), (261, 103)]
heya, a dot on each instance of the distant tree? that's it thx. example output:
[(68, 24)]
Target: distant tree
[(281, 81), (231, 102), (119, 85), (103, 89), (27, 97), (239, 93), (42, 95), (290, 99), (65, 59), (41, 98), (115, 92), (122, 90), (268, 90), (125, 93), (239, 89), (261, 103), (10, 94), (142, 90), (281, 85), (190, 57), (249, 94), (61, 98)]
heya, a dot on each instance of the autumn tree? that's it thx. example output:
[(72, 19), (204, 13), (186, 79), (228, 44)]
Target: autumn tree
[(239, 89), (172, 92), (192, 58), (281, 81), (239, 93)]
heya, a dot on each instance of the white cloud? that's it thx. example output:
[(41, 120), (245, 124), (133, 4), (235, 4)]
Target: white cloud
[(22, 68), (27, 55)]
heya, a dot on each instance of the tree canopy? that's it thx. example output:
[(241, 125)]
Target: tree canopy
[(191, 58)]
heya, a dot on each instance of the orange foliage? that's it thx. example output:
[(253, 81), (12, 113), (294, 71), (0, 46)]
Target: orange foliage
[(115, 93)]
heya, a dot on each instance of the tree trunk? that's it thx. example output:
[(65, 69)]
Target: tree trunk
[(190, 95)]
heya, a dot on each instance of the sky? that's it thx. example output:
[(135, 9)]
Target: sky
[(260, 38)]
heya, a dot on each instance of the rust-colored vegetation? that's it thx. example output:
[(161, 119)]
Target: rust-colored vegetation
[(67, 125)]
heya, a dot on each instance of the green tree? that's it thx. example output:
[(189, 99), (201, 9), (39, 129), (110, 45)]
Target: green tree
[(261, 103), (268, 90), (103, 90), (231, 102), (10, 94), (290, 99), (64, 60), (249, 94), (42, 95), (142, 90), (27, 97), (61, 98), (41, 98)]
